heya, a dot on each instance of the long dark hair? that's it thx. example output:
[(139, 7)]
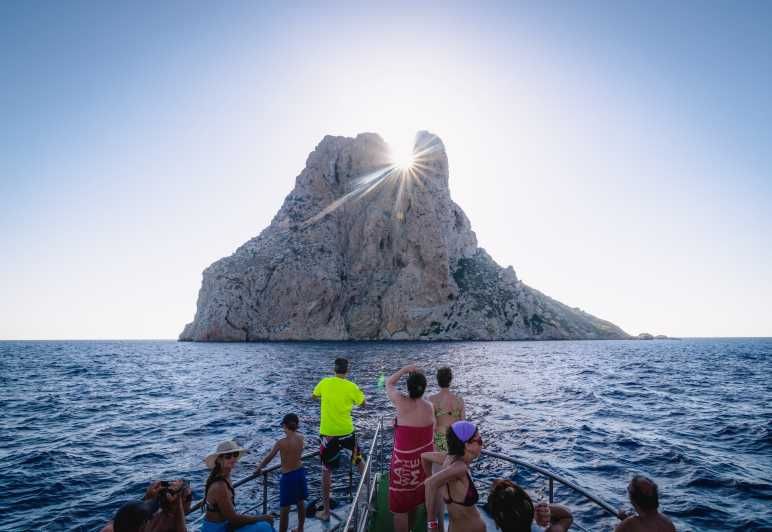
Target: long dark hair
[(510, 506), (216, 474), (416, 384)]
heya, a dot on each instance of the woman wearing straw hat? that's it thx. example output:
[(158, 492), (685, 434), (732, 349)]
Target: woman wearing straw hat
[(220, 498)]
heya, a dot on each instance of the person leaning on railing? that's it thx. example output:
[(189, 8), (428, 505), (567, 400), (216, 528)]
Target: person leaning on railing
[(162, 510), (220, 497), (454, 481)]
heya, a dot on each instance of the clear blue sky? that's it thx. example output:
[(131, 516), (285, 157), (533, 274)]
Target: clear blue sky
[(617, 154)]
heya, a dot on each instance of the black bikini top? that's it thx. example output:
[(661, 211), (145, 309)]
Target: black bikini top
[(471, 497), (213, 507)]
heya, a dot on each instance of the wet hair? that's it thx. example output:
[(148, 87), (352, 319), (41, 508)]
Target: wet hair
[(643, 493), (341, 365), (510, 506), (456, 447), (416, 384), (131, 516), (444, 377), (291, 421)]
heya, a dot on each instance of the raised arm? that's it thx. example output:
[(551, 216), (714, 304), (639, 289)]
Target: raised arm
[(391, 382)]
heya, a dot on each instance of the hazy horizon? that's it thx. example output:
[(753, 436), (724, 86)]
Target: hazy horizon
[(615, 154)]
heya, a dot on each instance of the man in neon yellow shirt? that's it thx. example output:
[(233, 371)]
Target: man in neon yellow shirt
[(336, 430)]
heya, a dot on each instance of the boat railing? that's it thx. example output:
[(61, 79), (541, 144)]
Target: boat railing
[(361, 508), (366, 484), (264, 474), (552, 478), (362, 503)]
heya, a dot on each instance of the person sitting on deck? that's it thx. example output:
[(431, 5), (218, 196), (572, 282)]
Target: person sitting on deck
[(413, 435), (336, 428), (293, 488), (464, 445), (514, 511), (644, 496), (220, 497), (162, 510)]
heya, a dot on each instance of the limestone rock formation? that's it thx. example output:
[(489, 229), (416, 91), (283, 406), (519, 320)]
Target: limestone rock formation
[(361, 250)]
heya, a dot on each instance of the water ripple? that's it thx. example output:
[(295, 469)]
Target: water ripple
[(86, 425)]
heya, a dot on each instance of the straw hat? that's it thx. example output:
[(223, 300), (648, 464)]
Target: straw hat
[(224, 448)]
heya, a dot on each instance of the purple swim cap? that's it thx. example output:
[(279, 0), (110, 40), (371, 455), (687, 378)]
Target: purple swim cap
[(464, 430)]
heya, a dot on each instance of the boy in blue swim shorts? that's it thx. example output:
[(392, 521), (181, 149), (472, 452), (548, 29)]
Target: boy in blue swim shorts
[(293, 488)]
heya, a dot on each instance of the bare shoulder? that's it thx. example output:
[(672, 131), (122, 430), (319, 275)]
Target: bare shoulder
[(458, 467), (217, 488), (668, 524), (628, 525)]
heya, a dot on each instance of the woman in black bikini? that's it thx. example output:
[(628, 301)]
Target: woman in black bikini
[(219, 496), (454, 480)]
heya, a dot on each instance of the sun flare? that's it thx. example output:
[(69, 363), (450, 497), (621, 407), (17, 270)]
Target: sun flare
[(402, 155)]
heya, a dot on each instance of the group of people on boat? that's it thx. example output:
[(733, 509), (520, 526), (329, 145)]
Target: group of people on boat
[(434, 447)]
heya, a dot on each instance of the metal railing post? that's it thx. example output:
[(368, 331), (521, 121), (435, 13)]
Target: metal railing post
[(351, 479), (265, 493), (352, 520), (552, 492), (380, 447), (552, 476)]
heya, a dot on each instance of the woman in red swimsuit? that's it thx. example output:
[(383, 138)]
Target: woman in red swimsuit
[(454, 481)]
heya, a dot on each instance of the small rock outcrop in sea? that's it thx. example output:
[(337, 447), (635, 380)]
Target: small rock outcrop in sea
[(361, 250)]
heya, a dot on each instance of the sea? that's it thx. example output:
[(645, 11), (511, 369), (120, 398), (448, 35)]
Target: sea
[(86, 425)]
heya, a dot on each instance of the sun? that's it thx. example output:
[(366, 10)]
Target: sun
[(402, 155)]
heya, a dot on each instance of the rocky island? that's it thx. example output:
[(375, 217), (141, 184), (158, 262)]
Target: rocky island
[(364, 250)]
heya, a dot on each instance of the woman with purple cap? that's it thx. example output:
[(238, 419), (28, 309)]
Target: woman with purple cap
[(454, 481)]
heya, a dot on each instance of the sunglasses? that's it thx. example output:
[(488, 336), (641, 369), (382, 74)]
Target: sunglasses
[(226, 456)]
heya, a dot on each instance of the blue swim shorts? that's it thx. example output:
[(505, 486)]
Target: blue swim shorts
[(293, 487), (209, 526)]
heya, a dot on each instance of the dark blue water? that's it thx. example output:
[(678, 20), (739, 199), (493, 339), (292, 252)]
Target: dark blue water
[(86, 425)]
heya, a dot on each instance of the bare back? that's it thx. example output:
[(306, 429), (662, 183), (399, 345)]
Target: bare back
[(291, 451), (646, 523), (448, 408), (414, 412)]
